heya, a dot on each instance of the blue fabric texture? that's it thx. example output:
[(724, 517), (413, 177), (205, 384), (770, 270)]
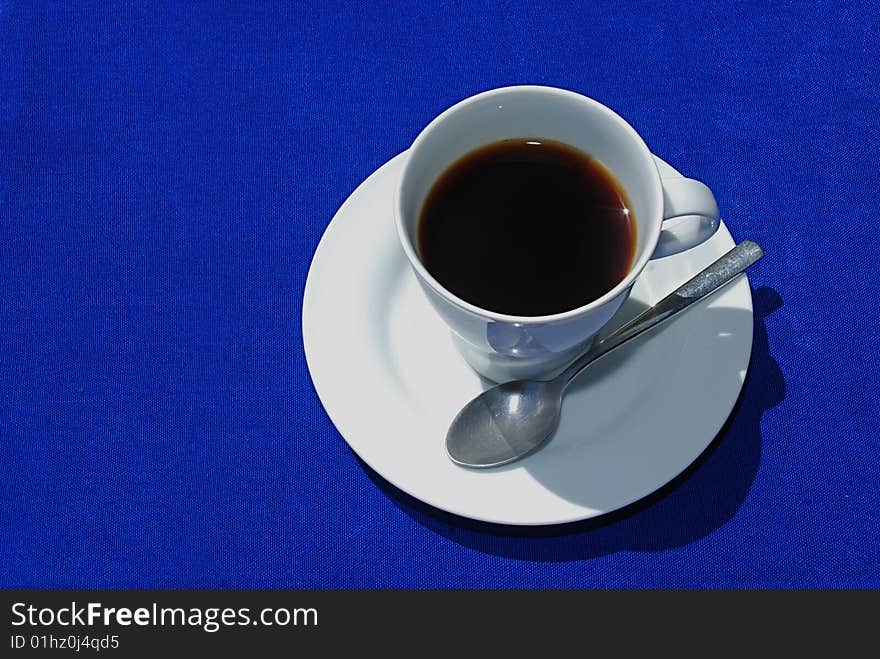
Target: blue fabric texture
[(167, 170)]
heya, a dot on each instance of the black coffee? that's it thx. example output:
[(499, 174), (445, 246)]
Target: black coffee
[(527, 227)]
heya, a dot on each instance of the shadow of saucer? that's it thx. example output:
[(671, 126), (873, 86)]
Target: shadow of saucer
[(694, 504)]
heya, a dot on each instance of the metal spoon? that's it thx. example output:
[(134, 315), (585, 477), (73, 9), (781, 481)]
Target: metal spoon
[(511, 420)]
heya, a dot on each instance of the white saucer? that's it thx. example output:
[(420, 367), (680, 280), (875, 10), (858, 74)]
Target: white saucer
[(385, 368)]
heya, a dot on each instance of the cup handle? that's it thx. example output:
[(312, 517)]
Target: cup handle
[(690, 216)]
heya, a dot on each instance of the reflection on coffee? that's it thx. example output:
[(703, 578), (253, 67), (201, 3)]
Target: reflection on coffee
[(527, 227)]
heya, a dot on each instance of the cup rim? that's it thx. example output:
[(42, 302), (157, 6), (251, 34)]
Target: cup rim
[(416, 262)]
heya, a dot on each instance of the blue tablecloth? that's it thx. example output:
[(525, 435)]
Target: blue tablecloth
[(167, 170)]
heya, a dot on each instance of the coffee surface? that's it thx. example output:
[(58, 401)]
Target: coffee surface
[(527, 227)]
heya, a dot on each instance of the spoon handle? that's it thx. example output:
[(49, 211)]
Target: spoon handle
[(712, 278)]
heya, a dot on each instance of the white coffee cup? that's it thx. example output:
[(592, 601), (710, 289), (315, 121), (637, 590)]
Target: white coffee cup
[(503, 347)]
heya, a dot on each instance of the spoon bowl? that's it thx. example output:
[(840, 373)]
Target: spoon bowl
[(505, 423)]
